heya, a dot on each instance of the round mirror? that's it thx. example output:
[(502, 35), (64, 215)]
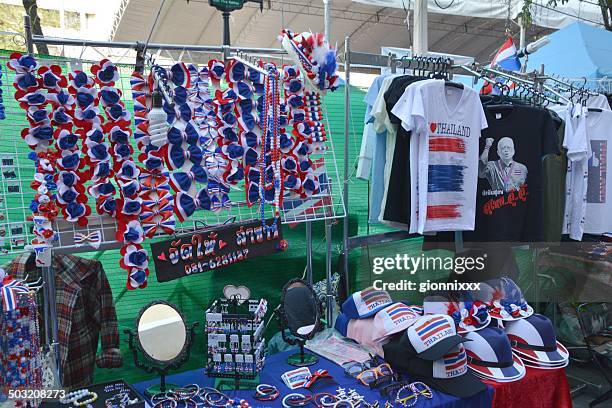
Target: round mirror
[(162, 333), (300, 313)]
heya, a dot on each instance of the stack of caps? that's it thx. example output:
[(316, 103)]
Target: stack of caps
[(534, 340), (431, 351), (490, 356)]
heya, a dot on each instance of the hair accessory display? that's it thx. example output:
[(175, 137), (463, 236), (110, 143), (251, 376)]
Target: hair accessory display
[(94, 239), (71, 191), (39, 136)]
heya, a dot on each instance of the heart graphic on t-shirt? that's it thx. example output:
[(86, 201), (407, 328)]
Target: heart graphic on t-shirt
[(433, 127)]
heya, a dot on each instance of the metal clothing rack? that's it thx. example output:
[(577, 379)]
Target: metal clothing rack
[(327, 205)]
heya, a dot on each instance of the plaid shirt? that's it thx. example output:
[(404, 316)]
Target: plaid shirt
[(85, 311)]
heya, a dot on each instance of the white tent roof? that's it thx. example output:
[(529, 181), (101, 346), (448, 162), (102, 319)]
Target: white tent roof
[(378, 23)]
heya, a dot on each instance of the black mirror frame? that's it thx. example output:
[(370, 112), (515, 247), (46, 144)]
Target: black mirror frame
[(284, 323)]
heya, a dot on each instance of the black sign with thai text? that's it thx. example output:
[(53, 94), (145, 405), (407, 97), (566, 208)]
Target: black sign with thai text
[(202, 251)]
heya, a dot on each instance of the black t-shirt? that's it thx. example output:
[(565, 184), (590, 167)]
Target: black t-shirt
[(510, 204), (397, 205)]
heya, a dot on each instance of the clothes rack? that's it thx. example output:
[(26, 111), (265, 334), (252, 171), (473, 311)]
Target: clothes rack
[(353, 58)]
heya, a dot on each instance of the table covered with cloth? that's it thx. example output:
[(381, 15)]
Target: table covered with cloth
[(539, 388)]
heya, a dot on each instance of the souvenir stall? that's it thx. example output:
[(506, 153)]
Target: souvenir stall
[(209, 161)]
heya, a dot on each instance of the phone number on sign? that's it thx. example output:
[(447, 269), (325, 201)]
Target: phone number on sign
[(36, 394)]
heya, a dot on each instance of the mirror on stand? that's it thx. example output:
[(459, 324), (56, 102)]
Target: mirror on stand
[(300, 313), (163, 337)]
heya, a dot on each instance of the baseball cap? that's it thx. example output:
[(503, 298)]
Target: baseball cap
[(448, 374), (365, 303), (394, 318), (429, 338)]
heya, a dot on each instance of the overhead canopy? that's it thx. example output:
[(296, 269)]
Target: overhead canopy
[(370, 25), (543, 15), (575, 51)]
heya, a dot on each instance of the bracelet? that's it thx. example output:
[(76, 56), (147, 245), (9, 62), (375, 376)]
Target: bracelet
[(296, 400), (320, 399), (185, 393), (158, 398), (92, 398), (265, 392), (208, 399), (161, 404), (345, 403)]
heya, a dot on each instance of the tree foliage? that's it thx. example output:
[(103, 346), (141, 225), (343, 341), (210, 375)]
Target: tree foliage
[(605, 5)]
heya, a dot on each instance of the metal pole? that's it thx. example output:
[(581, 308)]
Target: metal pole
[(309, 252), (328, 272), (419, 27), (28, 34), (327, 18), (161, 5), (226, 28), (345, 192), (155, 46), (49, 278)]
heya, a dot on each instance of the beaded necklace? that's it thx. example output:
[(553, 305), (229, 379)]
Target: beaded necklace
[(271, 146)]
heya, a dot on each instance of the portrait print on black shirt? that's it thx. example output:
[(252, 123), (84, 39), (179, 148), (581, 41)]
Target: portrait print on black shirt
[(509, 203)]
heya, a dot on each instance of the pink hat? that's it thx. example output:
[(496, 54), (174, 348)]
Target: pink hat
[(394, 318)]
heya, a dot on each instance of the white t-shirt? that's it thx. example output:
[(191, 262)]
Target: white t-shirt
[(575, 140), (599, 185), (446, 123)]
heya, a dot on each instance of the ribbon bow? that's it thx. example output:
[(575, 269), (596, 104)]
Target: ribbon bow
[(176, 156), (9, 290), (189, 135), (185, 205), (93, 239), (182, 181), (316, 376)]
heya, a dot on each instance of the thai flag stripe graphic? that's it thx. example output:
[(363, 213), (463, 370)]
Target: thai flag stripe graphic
[(432, 327), (454, 360), (398, 311), (447, 144)]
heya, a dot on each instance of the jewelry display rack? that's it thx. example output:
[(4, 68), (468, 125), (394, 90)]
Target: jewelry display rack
[(327, 205)]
